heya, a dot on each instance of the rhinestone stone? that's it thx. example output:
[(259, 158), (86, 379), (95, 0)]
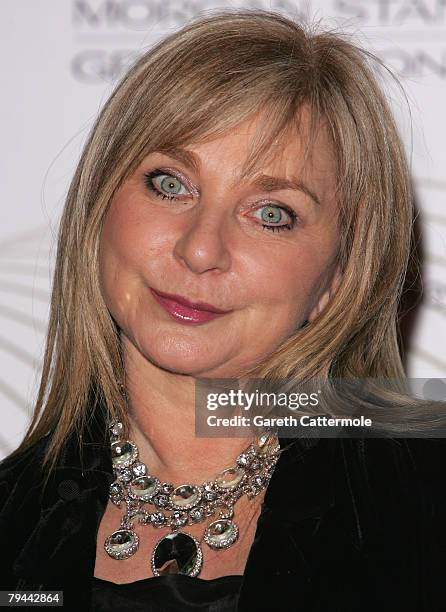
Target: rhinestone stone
[(157, 519), (258, 481), (243, 460), (197, 514), (178, 519), (116, 489), (209, 495), (267, 444), (126, 475), (116, 493), (255, 464), (161, 500), (143, 517), (116, 429), (139, 469)]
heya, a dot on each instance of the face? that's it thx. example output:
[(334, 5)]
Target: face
[(186, 225)]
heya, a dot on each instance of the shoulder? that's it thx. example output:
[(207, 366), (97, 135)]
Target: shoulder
[(397, 466), (354, 524), (416, 476), (365, 470), (362, 487), (391, 508), (390, 479)]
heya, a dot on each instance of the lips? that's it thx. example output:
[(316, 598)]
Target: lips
[(193, 305), (185, 311)]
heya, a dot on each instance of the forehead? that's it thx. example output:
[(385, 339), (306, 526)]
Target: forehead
[(251, 148)]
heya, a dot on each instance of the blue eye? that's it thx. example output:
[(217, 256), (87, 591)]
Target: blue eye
[(163, 184), (273, 213), (168, 186)]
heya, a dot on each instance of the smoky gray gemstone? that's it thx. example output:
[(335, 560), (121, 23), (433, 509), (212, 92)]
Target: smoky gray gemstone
[(176, 553)]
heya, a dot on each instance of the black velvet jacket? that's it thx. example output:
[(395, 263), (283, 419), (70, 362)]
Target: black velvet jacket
[(346, 524)]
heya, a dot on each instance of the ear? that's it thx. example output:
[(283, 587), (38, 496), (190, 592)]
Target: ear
[(326, 295)]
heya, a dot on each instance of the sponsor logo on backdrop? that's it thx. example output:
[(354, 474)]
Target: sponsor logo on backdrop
[(107, 32)]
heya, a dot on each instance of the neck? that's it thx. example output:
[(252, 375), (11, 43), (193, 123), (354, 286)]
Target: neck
[(162, 424)]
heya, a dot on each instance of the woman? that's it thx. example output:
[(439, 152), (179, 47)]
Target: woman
[(242, 208)]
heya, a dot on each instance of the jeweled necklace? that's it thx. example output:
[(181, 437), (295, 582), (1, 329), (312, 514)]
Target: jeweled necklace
[(175, 507)]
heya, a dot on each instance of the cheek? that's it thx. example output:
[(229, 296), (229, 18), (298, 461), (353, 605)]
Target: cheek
[(131, 237), (284, 276), (123, 255)]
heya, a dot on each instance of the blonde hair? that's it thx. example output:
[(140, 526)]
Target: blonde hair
[(198, 83)]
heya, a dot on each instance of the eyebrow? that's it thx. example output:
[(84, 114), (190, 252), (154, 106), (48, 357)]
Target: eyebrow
[(263, 181)]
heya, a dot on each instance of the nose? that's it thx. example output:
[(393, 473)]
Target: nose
[(203, 241)]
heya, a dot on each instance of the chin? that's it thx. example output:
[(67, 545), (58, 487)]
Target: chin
[(173, 359), (194, 370)]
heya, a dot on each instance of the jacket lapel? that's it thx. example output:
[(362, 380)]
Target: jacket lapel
[(281, 562), (62, 543)]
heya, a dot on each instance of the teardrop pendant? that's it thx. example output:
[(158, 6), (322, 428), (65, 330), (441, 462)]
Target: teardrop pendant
[(177, 553), (122, 544), (221, 534)]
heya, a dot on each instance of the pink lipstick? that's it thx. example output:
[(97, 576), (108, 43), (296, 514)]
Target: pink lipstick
[(186, 311)]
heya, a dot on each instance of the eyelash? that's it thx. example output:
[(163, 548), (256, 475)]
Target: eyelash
[(148, 176)]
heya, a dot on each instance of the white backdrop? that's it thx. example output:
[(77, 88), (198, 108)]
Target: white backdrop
[(60, 59)]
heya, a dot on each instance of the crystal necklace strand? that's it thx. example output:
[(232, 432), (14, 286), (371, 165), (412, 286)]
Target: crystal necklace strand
[(175, 507)]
